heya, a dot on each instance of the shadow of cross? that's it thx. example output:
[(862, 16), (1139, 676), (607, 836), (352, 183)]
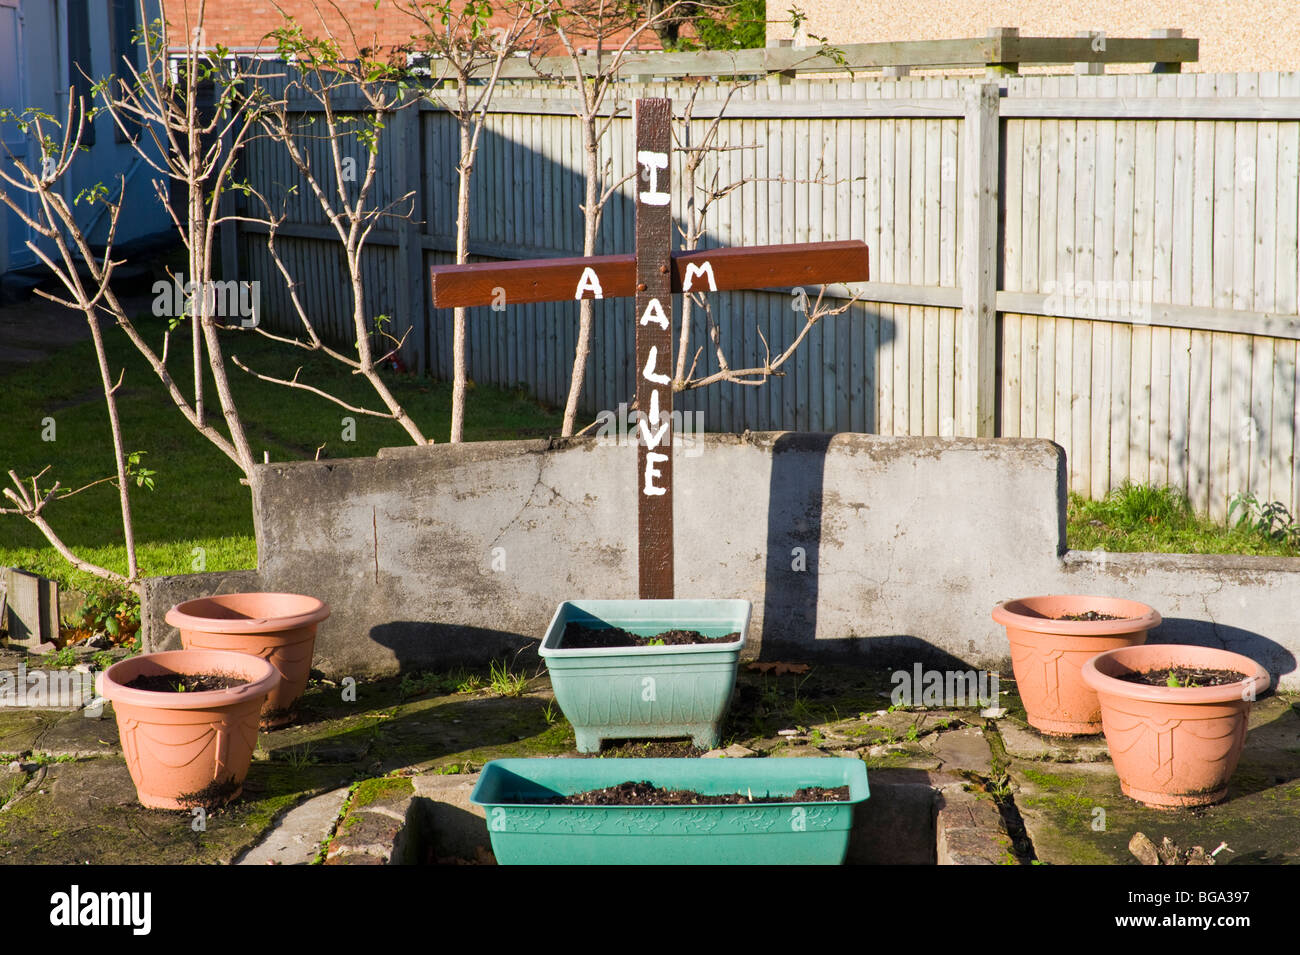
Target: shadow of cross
[(652, 275)]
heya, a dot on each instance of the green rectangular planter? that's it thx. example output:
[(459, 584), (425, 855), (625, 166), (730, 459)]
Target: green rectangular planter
[(617, 693), (811, 833)]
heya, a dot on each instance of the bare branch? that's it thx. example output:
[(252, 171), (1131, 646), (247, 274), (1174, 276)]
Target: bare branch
[(295, 383)]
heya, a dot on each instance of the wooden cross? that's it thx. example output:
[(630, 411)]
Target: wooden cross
[(652, 275)]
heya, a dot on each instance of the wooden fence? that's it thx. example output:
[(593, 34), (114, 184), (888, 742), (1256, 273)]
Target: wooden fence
[(1106, 261)]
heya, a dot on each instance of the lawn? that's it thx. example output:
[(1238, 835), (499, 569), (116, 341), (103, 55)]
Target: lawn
[(1153, 519), (199, 516)]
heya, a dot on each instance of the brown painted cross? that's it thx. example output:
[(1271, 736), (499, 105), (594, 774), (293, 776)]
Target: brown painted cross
[(652, 275)]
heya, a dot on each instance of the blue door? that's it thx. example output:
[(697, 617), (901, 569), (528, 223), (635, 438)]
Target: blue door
[(13, 143)]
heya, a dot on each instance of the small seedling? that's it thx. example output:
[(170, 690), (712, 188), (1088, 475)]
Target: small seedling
[(470, 683), (299, 757), (63, 657), (504, 682)]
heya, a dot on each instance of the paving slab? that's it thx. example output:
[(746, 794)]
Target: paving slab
[(457, 829), (734, 751), (910, 755), (66, 809), (374, 822), (85, 811), (21, 728), (12, 779), (963, 750), (297, 836), (796, 751), (1076, 814), (77, 734), (1024, 742), (969, 829), (896, 825)]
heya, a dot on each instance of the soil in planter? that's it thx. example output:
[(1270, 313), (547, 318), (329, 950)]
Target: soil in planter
[(645, 794), (186, 682), (1185, 677), (1089, 615), (578, 637)]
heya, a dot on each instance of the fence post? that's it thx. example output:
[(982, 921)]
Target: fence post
[(784, 77), (1007, 37), (1167, 34), (413, 309), (1092, 67), (979, 278)]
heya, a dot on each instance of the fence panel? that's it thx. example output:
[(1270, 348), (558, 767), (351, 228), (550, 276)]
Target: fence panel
[(1145, 256)]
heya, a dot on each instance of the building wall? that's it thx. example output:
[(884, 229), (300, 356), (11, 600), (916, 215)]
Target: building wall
[(243, 24), (115, 164), (1234, 34)]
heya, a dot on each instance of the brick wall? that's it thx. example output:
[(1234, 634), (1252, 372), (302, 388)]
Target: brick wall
[(243, 24)]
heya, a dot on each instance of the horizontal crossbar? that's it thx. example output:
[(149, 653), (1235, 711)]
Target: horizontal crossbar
[(721, 270)]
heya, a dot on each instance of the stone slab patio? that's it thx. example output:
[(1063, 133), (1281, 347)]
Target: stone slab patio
[(386, 779)]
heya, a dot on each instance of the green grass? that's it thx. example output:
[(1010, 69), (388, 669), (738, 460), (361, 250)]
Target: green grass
[(1148, 518), (505, 682), (198, 501)]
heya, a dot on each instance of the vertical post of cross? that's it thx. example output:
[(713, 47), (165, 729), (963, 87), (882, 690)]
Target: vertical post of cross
[(654, 349)]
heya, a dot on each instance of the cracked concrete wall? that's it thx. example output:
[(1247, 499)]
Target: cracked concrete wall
[(849, 546)]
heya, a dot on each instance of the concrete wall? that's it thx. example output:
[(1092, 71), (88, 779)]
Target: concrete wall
[(905, 545)]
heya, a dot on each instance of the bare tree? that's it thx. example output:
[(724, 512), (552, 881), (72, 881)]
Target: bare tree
[(355, 98), (597, 36), (191, 142), (53, 220), (703, 189), (467, 48)]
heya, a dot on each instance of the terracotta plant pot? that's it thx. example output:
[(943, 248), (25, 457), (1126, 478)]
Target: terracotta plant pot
[(1048, 654), (280, 628), (1174, 746), (188, 749)]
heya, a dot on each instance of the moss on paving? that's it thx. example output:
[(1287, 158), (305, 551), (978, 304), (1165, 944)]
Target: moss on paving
[(1259, 820), (11, 781), (384, 789), (764, 703), (86, 810), (20, 728)]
